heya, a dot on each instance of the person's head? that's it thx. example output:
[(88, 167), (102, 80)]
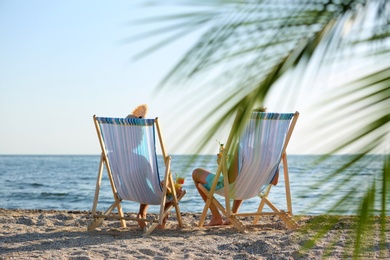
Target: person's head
[(139, 112), (260, 109)]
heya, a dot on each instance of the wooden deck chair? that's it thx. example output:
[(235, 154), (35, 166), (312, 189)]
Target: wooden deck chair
[(129, 155), (261, 145)]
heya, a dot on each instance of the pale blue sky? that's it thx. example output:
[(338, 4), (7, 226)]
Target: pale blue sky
[(64, 61)]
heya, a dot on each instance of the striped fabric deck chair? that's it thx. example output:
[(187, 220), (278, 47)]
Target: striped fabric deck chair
[(261, 148), (129, 155)]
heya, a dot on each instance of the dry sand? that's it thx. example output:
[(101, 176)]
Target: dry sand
[(48, 234)]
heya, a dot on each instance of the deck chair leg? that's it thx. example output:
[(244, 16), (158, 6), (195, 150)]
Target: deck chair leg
[(165, 185), (153, 226), (98, 221), (120, 213), (204, 213), (206, 206), (164, 211), (262, 203), (283, 215), (175, 198), (149, 230), (116, 197), (287, 184), (176, 204), (233, 219), (150, 227), (177, 209), (209, 195), (114, 192), (98, 185)]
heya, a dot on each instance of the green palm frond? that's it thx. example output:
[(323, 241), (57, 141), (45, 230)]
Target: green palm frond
[(246, 47)]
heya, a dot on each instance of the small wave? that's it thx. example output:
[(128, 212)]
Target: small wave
[(54, 194), (36, 184)]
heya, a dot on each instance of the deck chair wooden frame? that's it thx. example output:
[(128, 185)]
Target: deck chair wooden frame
[(151, 224), (285, 215)]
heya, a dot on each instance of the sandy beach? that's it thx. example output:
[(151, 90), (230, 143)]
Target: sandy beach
[(50, 234)]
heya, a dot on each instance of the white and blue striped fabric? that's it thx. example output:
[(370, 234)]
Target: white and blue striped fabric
[(260, 152), (131, 151)]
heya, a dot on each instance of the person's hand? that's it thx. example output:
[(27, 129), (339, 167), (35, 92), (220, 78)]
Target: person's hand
[(276, 178), (219, 157), (178, 188)]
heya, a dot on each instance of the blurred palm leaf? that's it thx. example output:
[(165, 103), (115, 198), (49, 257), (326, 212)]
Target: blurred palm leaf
[(247, 47)]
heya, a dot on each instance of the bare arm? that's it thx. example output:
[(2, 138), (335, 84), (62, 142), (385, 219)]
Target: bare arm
[(233, 169)]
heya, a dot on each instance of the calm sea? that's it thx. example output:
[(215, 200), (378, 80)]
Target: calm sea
[(68, 183)]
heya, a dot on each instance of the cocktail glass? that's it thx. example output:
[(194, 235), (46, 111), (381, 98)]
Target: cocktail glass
[(180, 177)]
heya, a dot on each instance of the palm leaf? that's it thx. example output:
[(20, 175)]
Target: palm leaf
[(248, 46)]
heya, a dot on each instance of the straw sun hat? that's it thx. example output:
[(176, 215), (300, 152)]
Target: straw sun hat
[(139, 112)]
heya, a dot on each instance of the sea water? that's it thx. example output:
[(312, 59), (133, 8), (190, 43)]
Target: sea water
[(68, 183)]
